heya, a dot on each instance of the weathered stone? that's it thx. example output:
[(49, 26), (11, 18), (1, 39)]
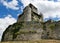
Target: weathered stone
[(30, 26)]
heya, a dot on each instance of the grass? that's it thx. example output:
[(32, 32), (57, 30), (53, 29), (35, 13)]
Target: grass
[(36, 41)]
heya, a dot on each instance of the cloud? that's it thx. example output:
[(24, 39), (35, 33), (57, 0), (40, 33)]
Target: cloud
[(58, 0), (26, 2), (12, 4), (48, 8), (5, 22)]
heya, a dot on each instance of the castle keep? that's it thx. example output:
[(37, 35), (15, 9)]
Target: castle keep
[(30, 26), (30, 13)]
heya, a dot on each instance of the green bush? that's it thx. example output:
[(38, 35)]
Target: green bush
[(52, 26)]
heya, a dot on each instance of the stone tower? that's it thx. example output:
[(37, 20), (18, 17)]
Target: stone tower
[(27, 27), (30, 13), (30, 26)]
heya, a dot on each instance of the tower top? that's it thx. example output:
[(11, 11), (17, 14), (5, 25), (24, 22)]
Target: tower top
[(30, 13), (31, 5)]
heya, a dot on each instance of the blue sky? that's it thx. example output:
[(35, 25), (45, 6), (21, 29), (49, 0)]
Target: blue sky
[(10, 9), (4, 11)]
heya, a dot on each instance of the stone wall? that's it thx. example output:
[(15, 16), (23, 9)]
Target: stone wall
[(26, 15), (30, 26), (51, 30), (23, 31), (28, 12)]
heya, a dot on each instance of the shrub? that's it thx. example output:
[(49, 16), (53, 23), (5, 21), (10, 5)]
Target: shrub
[(52, 26)]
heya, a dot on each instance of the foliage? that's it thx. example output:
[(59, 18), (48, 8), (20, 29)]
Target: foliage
[(24, 32), (16, 28), (52, 26)]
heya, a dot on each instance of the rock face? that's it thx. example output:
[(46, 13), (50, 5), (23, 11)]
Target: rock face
[(23, 31), (51, 30), (30, 26)]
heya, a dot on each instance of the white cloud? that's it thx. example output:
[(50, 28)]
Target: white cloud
[(58, 0), (26, 2), (48, 8), (12, 4), (5, 22)]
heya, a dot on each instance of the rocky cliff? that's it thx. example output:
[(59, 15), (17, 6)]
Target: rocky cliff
[(51, 30), (30, 26), (23, 31)]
